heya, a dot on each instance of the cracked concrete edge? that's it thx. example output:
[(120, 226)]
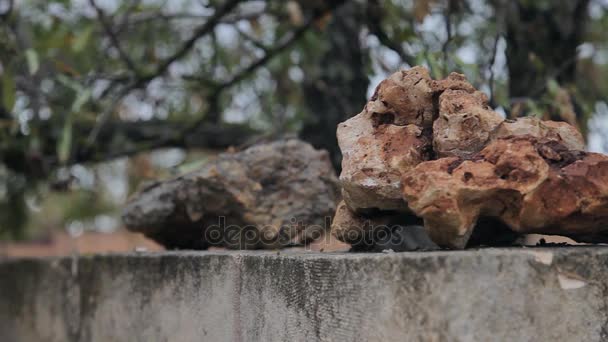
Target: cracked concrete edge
[(525, 294)]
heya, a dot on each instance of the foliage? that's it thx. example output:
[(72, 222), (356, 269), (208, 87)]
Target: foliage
[(89, 81)]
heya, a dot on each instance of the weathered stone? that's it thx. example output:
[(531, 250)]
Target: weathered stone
[(389, 136), (405, 98), (411, 120), (531, 185), (560, 132), (490, 294), (384, 231), (394, 133), (266, 196), (464, 125)]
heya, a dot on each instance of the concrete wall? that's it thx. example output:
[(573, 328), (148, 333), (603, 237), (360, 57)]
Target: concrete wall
[(486, 295)]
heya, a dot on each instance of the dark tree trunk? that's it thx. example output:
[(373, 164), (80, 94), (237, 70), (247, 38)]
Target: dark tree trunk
[(338, 88), (542, 38)]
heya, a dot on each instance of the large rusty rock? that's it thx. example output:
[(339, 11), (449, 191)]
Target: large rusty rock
[(373, 158), (266, 196), (419, 129), (531, 185), (391, 135), (385, 139)]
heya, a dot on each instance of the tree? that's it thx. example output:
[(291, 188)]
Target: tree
[(542, 41), (83, 83)]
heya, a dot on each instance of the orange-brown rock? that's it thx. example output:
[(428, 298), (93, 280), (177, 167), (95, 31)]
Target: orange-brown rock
[(532, 185), (461, 161), (391, 135), (561, 132), (465, 123), (385, 139)]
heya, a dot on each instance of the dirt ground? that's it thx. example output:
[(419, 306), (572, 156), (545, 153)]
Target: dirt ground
[(61, 244)]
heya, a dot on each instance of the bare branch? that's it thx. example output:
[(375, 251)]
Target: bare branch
[(113, 38), (142, 136), (200, 32), (140, 82), (252, 40), (270, 53), (491, 69)]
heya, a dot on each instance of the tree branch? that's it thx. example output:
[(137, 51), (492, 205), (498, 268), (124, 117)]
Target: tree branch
[(128, 138), (270, 53), (114, 39), (201, 31), (375, 26)]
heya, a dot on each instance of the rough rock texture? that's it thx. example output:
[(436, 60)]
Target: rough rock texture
[(465, 123), (384, 139), (560, 132), (540, 294), (266, 196), (423, 131), (387, 231), (531, 185), (391, 135)]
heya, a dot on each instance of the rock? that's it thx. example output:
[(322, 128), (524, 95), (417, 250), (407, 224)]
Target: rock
[(560, 132), (532, 185), (375, 233), (390, 135), (267, 196), (372, 160), (465, 166), (394, 133), (464, 125), (405, 98)]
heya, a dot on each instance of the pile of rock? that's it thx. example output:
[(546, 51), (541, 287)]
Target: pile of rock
[(270, 195), (434, 149)]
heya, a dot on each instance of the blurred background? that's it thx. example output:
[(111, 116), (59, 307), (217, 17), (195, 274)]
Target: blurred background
[(98, 96)]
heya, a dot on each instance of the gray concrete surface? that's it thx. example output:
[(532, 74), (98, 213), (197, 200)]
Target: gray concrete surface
[(548, 294)]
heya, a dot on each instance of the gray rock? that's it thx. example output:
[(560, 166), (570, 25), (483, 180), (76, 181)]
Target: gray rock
[(267, 196)]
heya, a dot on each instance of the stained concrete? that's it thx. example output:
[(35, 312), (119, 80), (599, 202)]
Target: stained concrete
[(548, 294)]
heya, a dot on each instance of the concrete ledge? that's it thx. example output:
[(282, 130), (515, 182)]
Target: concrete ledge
[(546, 294)]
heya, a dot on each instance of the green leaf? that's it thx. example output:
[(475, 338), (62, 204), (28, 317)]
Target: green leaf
[(434, 65), (8, 91), (553, 87), (82, 98), (82, 39), (64, 145), (32, 61)]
